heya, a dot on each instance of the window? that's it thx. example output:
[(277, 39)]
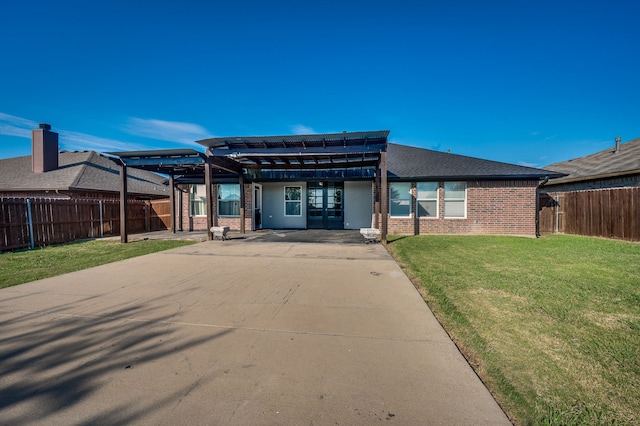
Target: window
[(400, 199), (293, 201), (198, 200), (228, 199), (455, 199), (427, 199)]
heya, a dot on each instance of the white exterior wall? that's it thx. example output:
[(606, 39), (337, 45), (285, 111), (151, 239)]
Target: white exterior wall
[(273, 207), (358, 204)]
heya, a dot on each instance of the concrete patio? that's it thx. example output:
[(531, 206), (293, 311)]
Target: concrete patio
[(235, 332)]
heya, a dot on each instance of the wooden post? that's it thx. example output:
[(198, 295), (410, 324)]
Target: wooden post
[(384, 197), (172, 200), (242, 201), (414, 207), (376, 199), (124, 217), (209, 192)]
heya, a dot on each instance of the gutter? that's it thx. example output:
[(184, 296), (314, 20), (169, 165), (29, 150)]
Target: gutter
[(540, 185)]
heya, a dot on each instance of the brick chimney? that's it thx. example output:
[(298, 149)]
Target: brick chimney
[(44, 149)]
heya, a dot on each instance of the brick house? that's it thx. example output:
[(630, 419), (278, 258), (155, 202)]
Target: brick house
[(50, 173), (334, 181)]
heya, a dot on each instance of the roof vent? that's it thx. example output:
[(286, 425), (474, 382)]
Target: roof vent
[(618, 139)]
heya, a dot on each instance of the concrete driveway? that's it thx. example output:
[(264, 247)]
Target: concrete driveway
[(234, 332)]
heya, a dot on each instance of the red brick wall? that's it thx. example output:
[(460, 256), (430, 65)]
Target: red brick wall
[(493, 207), (199, 223)]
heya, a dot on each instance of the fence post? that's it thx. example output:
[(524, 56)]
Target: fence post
[(557, 221), (30, 220), (101, 226)]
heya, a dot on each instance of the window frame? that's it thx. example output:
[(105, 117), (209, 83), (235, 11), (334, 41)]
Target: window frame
[(203, 200), (464, 200), (436, 199), (298, 201), (230, 200), (409, 199)]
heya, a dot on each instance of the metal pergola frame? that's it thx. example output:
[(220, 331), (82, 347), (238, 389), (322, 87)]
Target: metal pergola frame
[(232, 155)]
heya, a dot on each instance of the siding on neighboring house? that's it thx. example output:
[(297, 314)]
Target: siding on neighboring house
[(601, 183)]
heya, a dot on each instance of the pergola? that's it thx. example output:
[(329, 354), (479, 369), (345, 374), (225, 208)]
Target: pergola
[(238, 155)]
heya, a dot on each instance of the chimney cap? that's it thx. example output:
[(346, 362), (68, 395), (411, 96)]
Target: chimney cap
[(44, 126)]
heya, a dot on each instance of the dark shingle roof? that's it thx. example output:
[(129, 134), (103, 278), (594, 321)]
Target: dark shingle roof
[(81, 171), (411, 162), (607, 163)]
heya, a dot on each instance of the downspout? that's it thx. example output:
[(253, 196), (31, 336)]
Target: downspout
[(540, 185)]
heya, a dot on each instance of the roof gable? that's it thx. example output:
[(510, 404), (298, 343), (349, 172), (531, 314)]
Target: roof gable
[(412, 162)]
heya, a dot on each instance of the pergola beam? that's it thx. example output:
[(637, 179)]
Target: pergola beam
[(124, 237), (209, 194), (384, 197), (172, 201)]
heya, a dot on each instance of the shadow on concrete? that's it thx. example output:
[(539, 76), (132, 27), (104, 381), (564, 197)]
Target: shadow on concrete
[(55, 361)]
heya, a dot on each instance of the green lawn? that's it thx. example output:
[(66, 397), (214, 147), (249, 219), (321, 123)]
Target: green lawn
[(29, 265), (551, 325)]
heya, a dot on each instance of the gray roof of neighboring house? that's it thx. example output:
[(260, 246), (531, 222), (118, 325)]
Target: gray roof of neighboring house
[(80, 171), (603, 164), (411, 162)]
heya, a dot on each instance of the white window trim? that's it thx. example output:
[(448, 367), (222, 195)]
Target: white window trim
[(191, 202), (218, 200), (292, 201), (466, 187), (410, 215), (437, 216)]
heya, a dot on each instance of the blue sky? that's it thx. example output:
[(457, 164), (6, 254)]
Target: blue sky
[(524, 82)]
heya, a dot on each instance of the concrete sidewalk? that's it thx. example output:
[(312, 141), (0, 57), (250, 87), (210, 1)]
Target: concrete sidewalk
[(234, 333)]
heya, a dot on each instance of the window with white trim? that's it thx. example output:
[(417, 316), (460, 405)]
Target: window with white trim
[(293, 201), (197, 200), (455, 199), (400, 199), (228, 199), (427, 199)]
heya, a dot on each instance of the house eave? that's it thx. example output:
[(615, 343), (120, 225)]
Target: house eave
[(562, 180), (469, 177)]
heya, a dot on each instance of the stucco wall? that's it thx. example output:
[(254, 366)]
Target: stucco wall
[(358, 204), (273, 207)]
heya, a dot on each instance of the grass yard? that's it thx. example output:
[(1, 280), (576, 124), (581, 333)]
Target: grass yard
[(30, 265), (551, 325)]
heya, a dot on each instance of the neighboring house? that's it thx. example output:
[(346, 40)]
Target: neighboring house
[(335, 181), (598, 196), (48, 173), (614, 167)]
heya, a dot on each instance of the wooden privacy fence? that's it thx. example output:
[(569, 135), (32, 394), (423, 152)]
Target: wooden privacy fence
[(35, 222), (609, 213)]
